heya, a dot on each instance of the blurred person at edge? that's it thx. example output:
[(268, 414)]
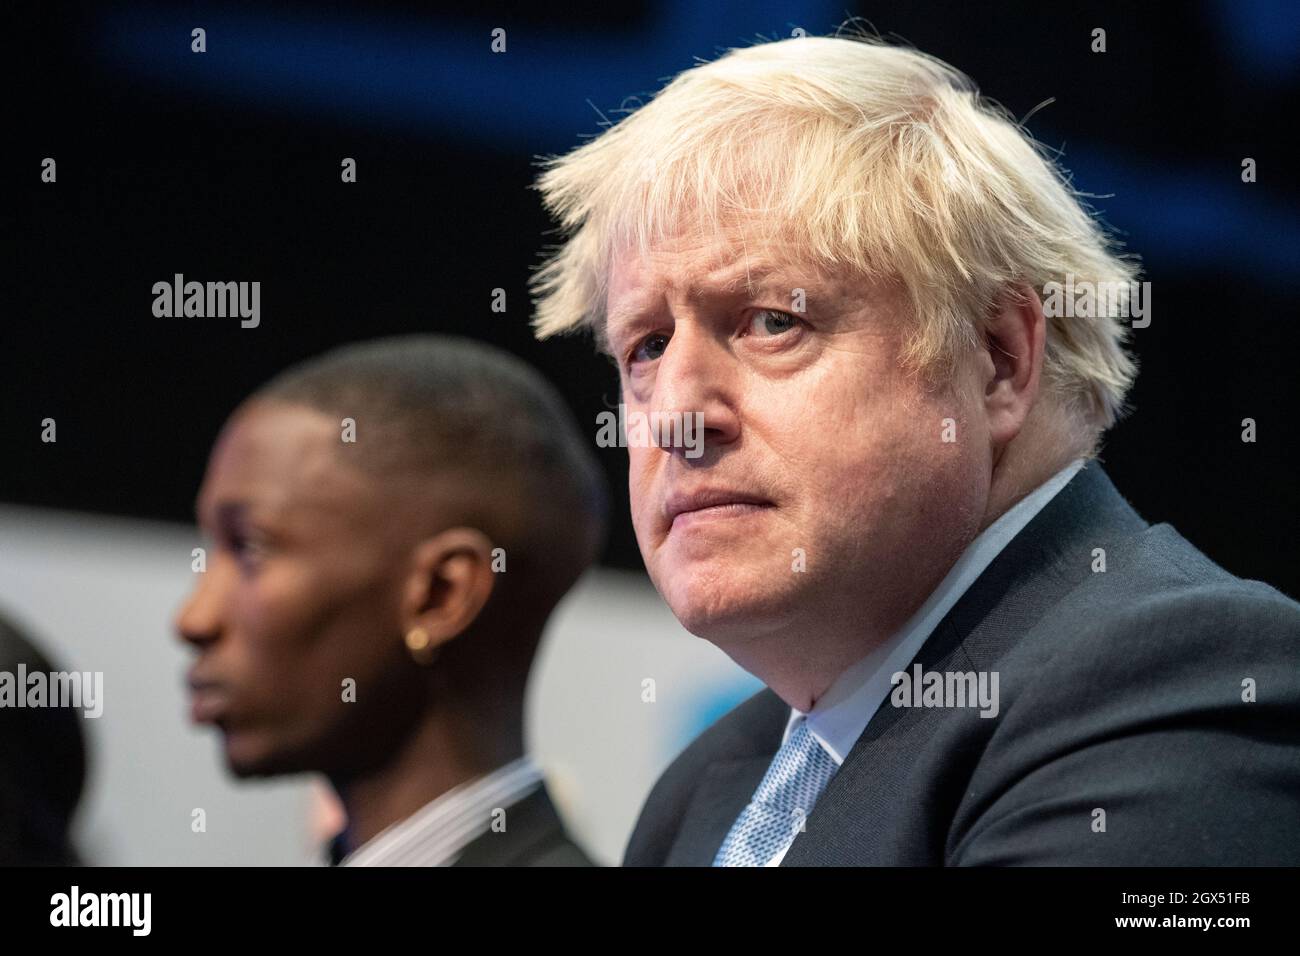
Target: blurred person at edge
[(42, 765)]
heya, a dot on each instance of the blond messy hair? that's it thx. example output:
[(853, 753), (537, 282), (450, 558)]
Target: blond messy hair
[(870, 157)]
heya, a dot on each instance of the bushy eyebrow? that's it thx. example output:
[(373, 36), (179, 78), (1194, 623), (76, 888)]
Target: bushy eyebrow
[(752, 280)]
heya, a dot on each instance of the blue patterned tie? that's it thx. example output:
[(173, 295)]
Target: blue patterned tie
[(798, 774)]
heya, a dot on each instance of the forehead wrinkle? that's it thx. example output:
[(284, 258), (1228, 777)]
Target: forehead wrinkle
[(658, 273), (727, 280)]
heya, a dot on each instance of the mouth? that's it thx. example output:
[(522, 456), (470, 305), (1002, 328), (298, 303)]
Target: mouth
[(711, 504), (208, 701)]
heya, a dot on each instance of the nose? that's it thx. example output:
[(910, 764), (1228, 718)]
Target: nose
[(696, 380), (200, 618)]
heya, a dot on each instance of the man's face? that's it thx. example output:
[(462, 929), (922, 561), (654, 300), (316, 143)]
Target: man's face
[(825, 490), (301, 593)]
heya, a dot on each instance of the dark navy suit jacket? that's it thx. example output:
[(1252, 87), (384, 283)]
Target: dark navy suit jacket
[(536, 837), (1120, 691)]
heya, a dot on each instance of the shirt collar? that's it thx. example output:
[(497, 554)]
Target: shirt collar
[(842, 713), (436, 834)]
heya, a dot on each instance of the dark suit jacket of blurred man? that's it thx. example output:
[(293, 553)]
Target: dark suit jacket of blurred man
[(1120, 691), (534, 836)]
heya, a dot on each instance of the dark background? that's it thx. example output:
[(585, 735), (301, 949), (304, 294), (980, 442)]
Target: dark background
[(225, 166)]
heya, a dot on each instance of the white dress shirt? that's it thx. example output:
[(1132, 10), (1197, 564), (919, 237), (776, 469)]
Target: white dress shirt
[(437, 833), (840, 715)]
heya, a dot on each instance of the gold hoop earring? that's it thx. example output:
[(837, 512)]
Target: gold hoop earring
[(422, 649)]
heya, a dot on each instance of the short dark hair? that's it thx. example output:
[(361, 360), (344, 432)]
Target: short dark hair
[(473, 415)]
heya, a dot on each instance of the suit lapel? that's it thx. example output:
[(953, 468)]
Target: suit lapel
[(530, 823), (842, 818), (728, 782), (718, 801)]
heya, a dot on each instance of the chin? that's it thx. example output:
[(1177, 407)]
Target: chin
[(246, 758), (726, 607)]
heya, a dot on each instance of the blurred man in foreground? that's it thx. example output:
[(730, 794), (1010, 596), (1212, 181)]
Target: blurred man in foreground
[(393, 524)]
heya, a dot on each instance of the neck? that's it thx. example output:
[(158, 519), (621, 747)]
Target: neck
[(447, 747), (801, 677), (1024, 464)]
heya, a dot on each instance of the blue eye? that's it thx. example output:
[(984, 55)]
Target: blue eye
[(651, 347), (770, 322)]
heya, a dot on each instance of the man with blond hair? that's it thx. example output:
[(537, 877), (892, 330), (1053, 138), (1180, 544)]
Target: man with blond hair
[(835, 254)]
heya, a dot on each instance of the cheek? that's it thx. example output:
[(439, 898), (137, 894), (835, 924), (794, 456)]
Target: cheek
[(302, 631), (872, 446), (640, 485), (274, 616), (838, 435)]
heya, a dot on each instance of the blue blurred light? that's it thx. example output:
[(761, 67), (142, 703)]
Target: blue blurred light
[(553, 88), (1264, 36), (701, 713), (1204, 218), (440, 80)]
